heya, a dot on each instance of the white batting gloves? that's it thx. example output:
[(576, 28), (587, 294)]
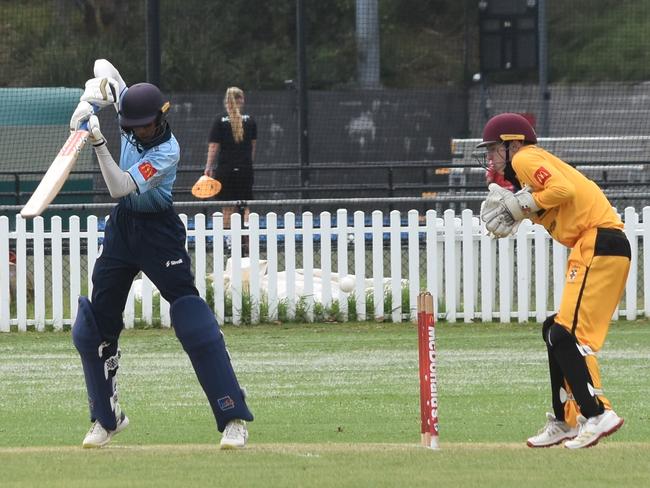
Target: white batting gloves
[(96, 137), (80, 115), (103, 68), (101, 92)]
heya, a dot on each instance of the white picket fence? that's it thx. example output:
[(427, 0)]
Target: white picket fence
[(472, 276)]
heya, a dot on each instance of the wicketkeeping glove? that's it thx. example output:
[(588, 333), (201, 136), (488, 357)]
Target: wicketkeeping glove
[(101, 92), (518, 205), (503, 225)]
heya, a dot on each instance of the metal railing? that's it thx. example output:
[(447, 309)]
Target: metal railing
[(391, 184), (398, 176)]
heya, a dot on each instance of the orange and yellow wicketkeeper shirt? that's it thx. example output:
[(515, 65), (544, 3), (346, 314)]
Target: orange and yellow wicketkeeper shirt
[(572, 203)]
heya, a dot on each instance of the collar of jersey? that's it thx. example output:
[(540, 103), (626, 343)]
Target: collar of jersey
[(156, 141)]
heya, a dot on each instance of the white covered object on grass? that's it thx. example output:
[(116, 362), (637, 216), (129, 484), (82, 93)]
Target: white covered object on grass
[(245, 272), (281, 287), (318, 283)]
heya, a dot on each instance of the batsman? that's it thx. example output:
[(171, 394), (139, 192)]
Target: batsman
[(576, 213), (144, 233)]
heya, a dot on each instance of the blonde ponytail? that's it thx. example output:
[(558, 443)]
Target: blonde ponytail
[(232, 107)]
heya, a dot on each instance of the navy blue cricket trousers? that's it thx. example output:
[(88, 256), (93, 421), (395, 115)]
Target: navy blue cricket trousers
[(153, 243)]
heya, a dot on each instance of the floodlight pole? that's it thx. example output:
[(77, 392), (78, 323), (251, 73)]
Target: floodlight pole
[(367, 32), (152, 25), (301, 86), (545, 94)]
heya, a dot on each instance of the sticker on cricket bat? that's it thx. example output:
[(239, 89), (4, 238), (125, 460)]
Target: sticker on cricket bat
[(56, 175), (206, 187)]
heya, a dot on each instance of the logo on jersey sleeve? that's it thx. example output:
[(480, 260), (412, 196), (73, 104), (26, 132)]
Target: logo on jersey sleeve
[(541, 175), (147, 170)]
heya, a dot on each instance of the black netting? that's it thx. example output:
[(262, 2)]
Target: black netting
[(385, 86)]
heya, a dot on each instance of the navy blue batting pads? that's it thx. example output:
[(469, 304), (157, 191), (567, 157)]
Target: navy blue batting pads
[(197, 329), (100, 362)]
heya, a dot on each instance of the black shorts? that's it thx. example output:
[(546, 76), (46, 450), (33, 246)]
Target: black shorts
[(236, 181)]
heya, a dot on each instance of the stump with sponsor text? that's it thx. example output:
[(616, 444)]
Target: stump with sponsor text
[(428, 375)]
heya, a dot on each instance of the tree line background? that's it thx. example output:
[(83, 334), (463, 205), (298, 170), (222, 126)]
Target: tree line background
[(209, 45), (389, 140)]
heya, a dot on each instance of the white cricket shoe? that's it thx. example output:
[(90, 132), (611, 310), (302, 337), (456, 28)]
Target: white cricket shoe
[(595, 428), (554, 432), (235, 435), (98, 436)]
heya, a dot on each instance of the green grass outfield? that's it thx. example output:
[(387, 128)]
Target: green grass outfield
[(335, 404)]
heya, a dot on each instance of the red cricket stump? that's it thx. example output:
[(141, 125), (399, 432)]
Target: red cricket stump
[(428, 376)]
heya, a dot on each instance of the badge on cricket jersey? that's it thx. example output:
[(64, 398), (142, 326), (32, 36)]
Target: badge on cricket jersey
[(573, 273), (541, 175), (147, 170)]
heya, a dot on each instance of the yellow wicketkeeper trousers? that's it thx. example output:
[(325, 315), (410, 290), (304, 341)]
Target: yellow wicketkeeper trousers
[(596, 274)]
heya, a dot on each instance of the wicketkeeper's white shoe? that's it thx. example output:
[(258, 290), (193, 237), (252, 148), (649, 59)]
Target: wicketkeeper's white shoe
[(98, 436), (554, 432), (595, 428), (235, 435)]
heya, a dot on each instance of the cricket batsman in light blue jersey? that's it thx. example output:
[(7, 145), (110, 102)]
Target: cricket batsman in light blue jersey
[(144, 233)]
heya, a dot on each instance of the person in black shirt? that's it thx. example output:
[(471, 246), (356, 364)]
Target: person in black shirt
[(232, 144)]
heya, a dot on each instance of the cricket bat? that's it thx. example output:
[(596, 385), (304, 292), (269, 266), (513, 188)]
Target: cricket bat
[(56, 175)]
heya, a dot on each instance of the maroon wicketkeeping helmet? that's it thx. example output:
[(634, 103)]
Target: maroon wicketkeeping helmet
[(508, 127)]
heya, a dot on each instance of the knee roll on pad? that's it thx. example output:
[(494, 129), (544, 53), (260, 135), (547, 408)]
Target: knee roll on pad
[(100, 361), (86, 338), (194, 323), (547, 325), (85, 334), (198, 331), (555, 334)]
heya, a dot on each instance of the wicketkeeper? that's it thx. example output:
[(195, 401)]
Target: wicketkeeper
[(145, 234), (576, 213)]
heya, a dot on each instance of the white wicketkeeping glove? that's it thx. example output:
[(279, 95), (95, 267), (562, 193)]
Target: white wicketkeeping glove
[(101, 92), (499, 225), (96, 137), (80, 115), (519, 205)]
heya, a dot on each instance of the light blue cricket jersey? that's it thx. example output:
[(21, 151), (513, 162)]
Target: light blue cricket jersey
[(154, 173)]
